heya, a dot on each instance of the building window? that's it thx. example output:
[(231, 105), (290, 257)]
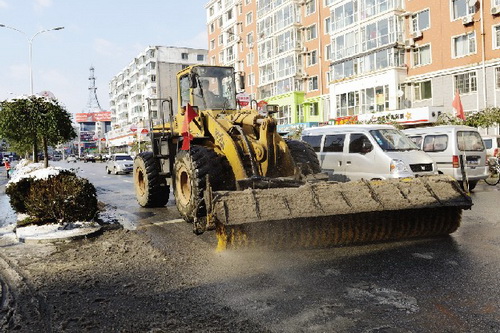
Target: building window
[(229, 14), (313, 83), (422, 55), (247, 2), (212, 27), (328, 24), (310, 7), (249, 58), (328, 52), (344, 15), (251, 79), (284, 115), (249, 18), (221, 22), (211, 11), (497, 76), (496, 2), (311, 32), (421, 20), (200, 57), (212, 44), (312, 58), (423, 90), (461, 8), (250, 39), (153, 78), (212, 60), (313, 109), (465, 83), (221, 57), (221, 39), (496, 36), (184, 56), (464, 45)]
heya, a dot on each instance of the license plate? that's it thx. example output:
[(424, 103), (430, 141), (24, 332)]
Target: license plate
[(473, 162)]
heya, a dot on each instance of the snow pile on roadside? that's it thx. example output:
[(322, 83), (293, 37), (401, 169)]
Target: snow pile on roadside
[(27, 169)]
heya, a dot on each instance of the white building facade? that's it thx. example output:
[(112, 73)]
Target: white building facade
[(151, 75)]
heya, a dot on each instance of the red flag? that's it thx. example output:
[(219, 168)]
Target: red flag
[(457, 105), (189, 115)]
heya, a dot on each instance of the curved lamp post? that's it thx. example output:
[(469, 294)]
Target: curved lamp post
[(30, 42)]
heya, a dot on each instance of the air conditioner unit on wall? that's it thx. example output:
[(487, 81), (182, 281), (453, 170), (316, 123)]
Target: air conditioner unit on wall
[(467, 20), (409, 43), (416, 34), (495, 10)]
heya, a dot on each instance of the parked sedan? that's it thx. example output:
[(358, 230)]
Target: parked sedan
[(71, 158), (119, 163)]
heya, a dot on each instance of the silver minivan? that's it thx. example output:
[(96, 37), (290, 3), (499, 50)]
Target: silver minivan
[(446, 143), (353, 152)]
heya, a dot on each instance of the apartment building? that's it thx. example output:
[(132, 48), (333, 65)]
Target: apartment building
[(150, 75), (335, 60), (281, 47), (453, 45)]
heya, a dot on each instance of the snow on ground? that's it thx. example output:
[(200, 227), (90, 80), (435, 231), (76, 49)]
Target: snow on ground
[(26, 169)]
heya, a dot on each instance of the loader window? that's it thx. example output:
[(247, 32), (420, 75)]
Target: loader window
[(314, 141), (334, 143), (184, 87), (215, 89)]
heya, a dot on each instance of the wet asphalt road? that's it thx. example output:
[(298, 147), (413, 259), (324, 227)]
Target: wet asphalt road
[(448, 284)]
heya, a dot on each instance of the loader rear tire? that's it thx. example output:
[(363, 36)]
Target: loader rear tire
[(151, 190), (303, 154), (191, 168)]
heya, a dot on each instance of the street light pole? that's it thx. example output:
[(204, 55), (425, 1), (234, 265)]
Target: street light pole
[(30, 44)]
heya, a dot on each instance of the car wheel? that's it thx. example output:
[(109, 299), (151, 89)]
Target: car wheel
[(108, 171), (115, 172)]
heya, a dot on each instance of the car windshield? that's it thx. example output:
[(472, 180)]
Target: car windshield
[(393, 140), (123, 158), (215, 88)]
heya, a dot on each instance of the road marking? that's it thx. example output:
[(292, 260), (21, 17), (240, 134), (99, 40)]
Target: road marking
[(170, 222)]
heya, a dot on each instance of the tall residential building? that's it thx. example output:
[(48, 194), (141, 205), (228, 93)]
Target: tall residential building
[(151, 75), (410, 57), (334, 60), (281, 47)]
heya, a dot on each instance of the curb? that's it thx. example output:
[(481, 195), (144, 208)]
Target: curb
[(53, 233)]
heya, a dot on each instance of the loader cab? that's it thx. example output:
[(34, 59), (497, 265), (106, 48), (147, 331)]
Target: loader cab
[(208, 88)]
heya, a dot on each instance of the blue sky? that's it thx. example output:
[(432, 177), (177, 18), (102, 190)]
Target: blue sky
[(101, 33)]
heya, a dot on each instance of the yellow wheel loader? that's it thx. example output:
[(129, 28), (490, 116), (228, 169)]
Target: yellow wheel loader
[(230, 170)]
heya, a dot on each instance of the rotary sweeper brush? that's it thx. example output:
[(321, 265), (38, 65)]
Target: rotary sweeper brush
[(230, 170), (327, 213)]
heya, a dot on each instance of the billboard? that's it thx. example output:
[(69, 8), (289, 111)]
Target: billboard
[(93, 117)]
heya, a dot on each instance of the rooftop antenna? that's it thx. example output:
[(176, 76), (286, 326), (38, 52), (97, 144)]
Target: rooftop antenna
[(93, 103)]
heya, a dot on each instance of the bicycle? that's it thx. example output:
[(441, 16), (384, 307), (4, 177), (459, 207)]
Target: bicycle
[(493, 172)]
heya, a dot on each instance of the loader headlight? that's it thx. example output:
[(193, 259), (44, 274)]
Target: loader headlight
[(398, 166)]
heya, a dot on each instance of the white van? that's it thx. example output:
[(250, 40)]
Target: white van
[(446, 143), (353, 152), (492, 144)]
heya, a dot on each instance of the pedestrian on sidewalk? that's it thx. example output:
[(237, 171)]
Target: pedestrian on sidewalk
[(7, 167)]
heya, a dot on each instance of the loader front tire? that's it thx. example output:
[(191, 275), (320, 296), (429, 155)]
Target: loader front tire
[(191, 168), (303, 154), (151, 190)]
